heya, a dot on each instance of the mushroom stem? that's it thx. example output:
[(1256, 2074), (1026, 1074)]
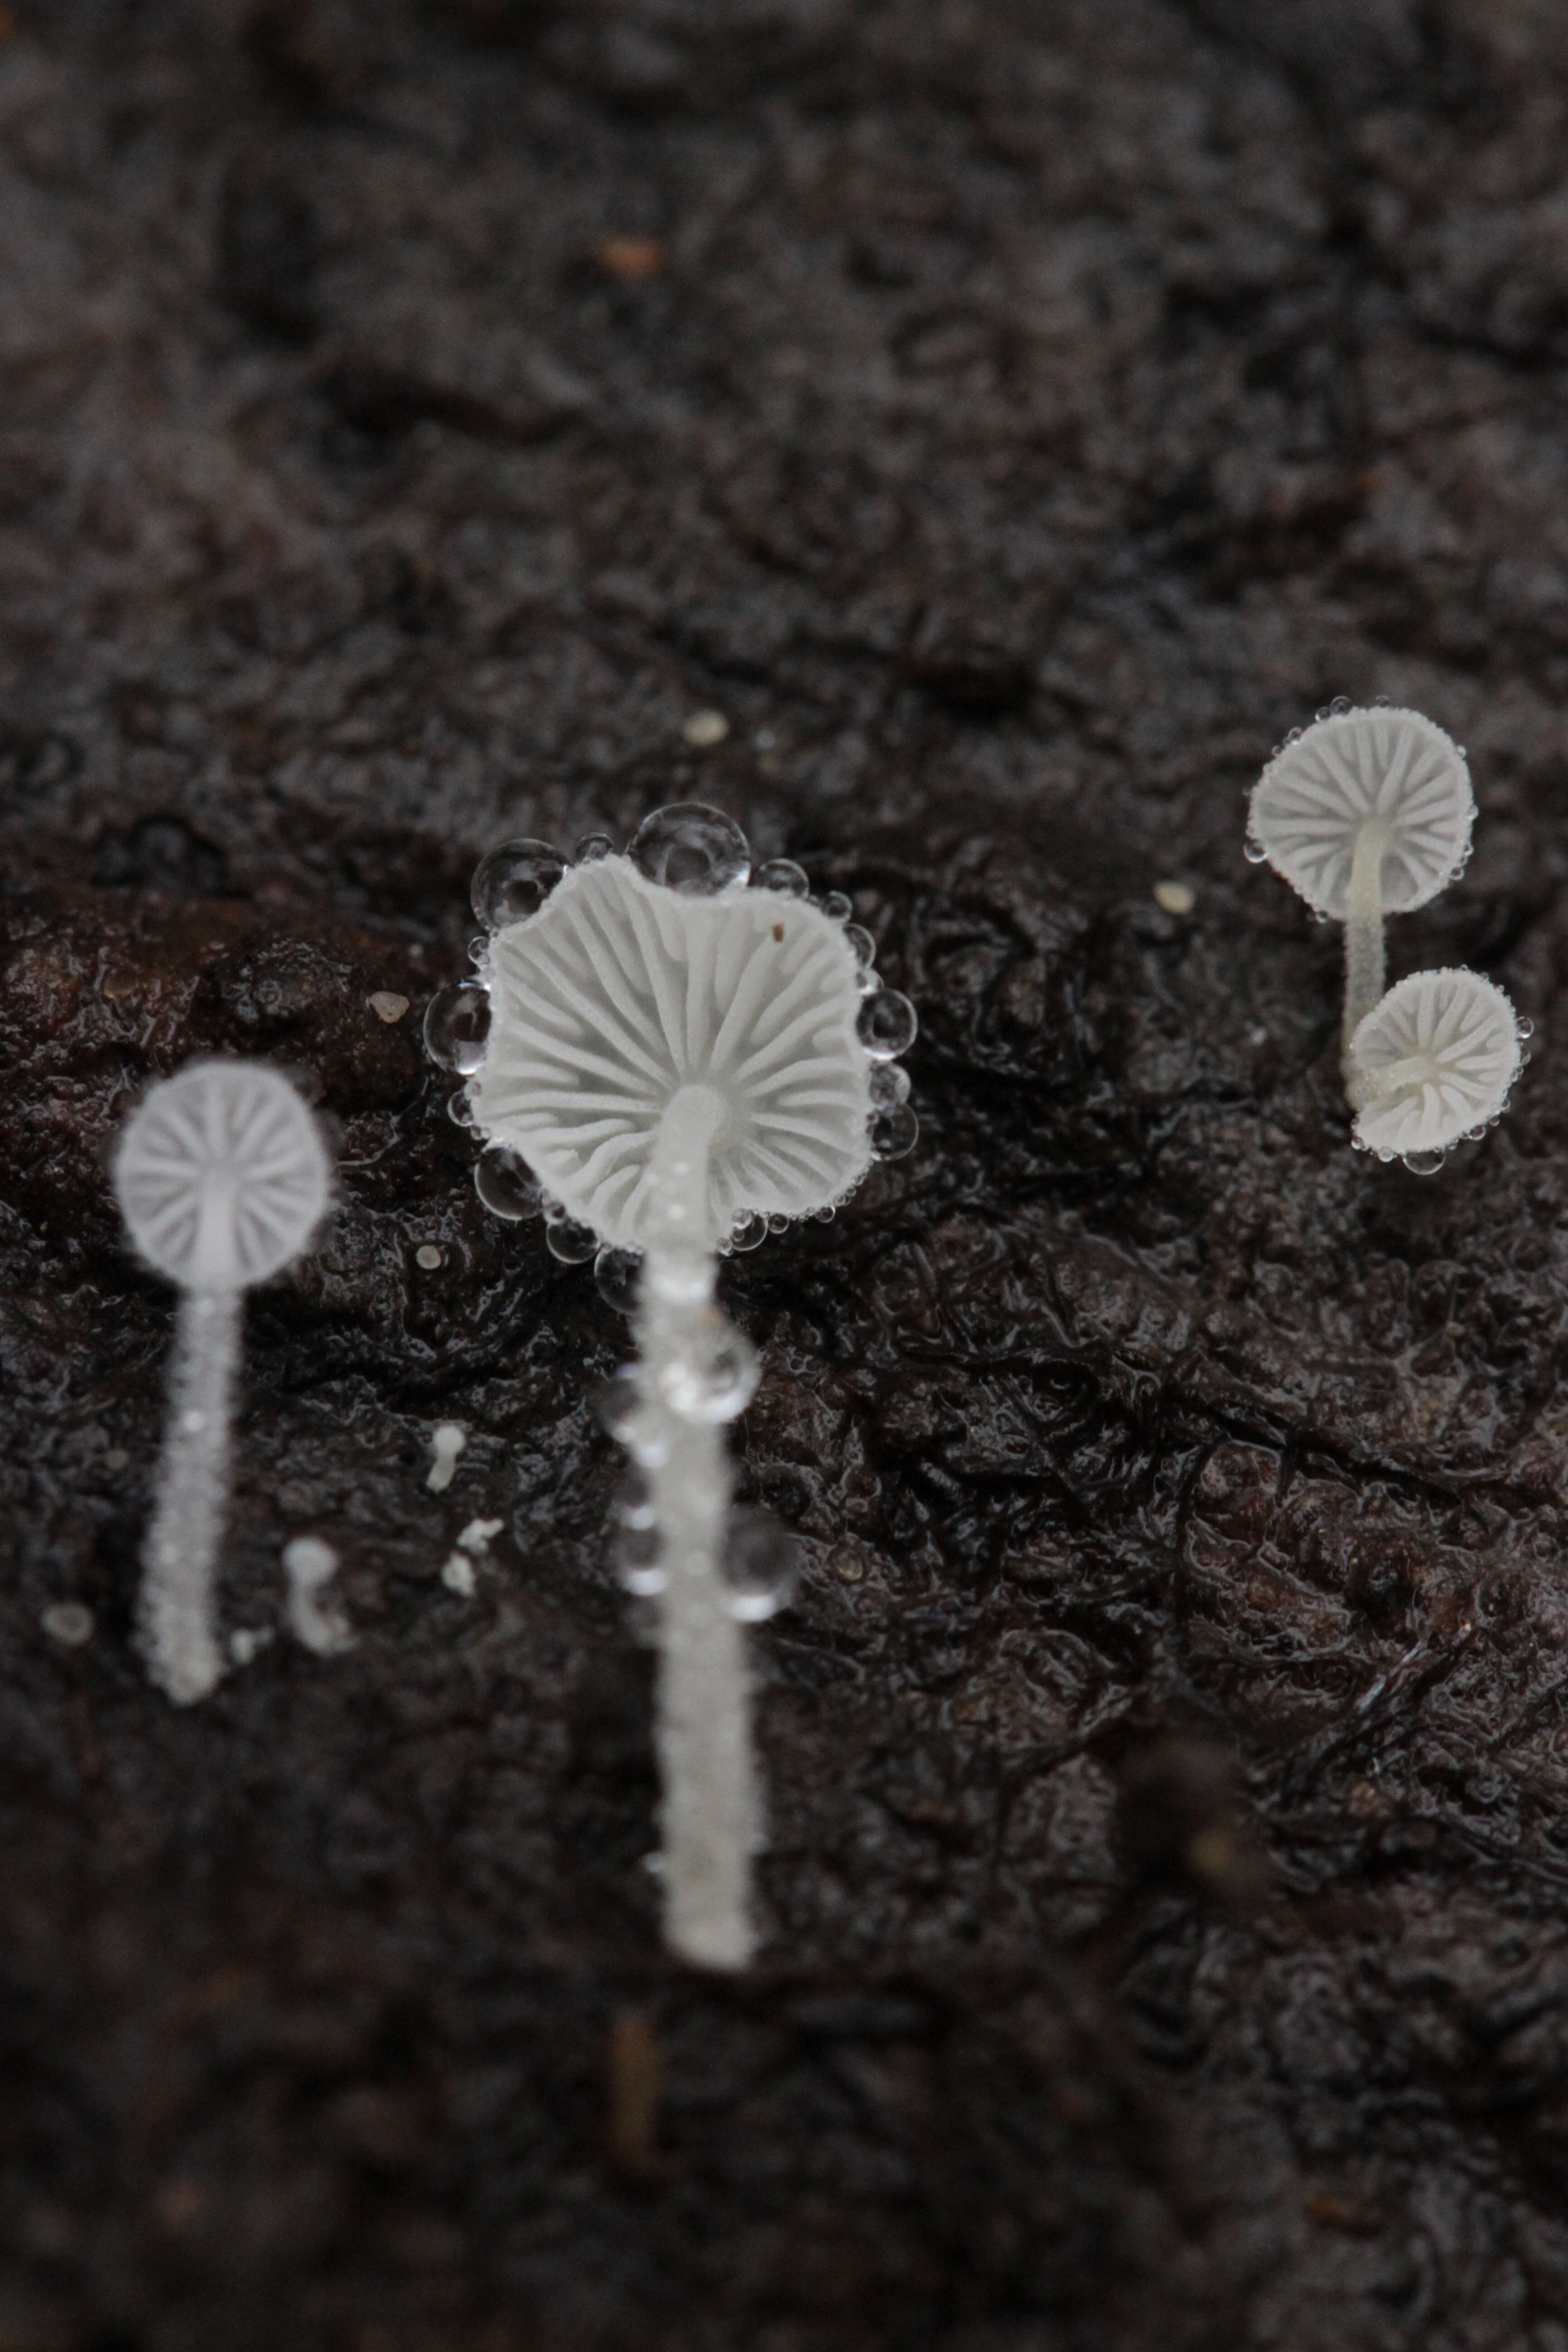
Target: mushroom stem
[(709, 1811), (1365, 972), (179, 1638)]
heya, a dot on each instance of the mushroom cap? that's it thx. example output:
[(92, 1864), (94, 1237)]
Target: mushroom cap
[(1434, 1060), (222, 1175), (1394, 767), (620, 992)]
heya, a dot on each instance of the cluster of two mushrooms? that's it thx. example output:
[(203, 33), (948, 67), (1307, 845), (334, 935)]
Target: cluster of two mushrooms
[(1368, 814), (669, 1056)]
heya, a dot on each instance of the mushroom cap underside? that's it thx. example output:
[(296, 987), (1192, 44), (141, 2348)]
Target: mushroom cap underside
[(222, 1175), (1395, 769), (620, 992), (1433, 1061)]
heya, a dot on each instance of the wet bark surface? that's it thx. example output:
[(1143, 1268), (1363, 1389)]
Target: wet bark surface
[(1011, 420)]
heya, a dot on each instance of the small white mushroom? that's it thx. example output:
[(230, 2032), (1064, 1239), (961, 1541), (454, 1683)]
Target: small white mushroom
[(1433, 1062), (314, 1618), (222, 1178), (447, 1440), (1366, 813), (681, 1062)]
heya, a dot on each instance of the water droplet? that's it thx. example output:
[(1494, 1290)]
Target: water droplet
[(634, 1506), (617, 1403), (1424, 1163), (460, 1110), (1385, 1157), (573, 1243), (748, 1231), (822, 1216), (782, 874), (759, 1567), (870, 980), (837, 906), (1255, 854), (592, 847), (1524, 1027), (1357, 1145), (778, 1223), (637, 1555), (615, 1277), (507, 1185), (456, 1023), (894, 1133), (692, 848), (713, 1378), (890, 1085), (512, 882), (479, 948), (861, 941), (886, 1026)]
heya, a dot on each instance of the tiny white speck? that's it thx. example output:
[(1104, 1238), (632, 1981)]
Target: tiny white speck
[(388, 1006), (249, 1643), (476, 1535), (1176, 898), (193, 1422), (457, 1576), (428, 1257), (704, 728), (69, 1622), (446, 1441)]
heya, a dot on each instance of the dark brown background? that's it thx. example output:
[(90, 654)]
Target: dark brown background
[(1013, 418)]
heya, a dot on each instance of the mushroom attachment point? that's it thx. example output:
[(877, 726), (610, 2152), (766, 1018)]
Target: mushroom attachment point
[(222, 1178), (673, 1060), (1366, 813), (1431, 1064)]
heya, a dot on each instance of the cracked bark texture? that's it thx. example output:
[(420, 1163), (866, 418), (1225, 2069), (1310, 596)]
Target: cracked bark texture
[(1012, 419)]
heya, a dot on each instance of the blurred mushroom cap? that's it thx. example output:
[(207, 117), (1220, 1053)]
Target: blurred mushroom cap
[(1391, 768), (222, 1175)]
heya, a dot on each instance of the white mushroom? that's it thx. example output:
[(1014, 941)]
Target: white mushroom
[(1433, 1062), (1367, 812), (222, 1178), (681, 1062)]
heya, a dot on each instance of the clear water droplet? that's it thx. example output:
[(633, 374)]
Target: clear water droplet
[(592, 848), (573, 1243), (461, 1112), (822, 1216), (890, 1085), (551, 1209), (511, 882), (870, 980), (714, 1377), (748, 1231), (1385, 1157), (615, 1278), (692, 848), (1357, 1145), (634, 1506), (1255, 854), (887, 1025), (616, 1404), (894, 1133), (860, 939), (1524, 1027), (783, 875), (479, 948), (638, 1559), (507, 1185), (778, 1223), (837, 906), (1424, 1163), (457, 1024), (758, 1568)]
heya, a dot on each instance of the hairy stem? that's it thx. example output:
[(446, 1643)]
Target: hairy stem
[(710, 1810), (1364, 968), (179, 1638)]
